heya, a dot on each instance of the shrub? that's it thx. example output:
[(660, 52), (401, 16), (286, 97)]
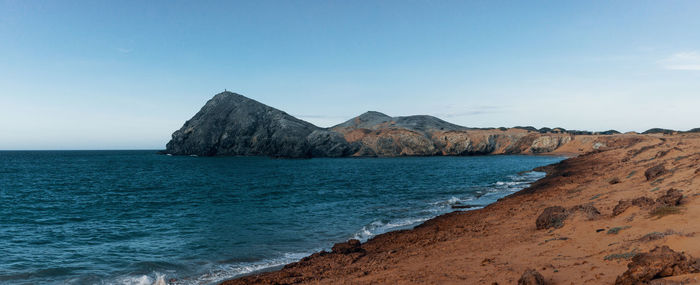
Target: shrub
[(665, 211), (616, 230)]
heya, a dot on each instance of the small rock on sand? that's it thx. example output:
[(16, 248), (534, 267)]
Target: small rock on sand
[(552, 217), (348, 247), (655, 171), (587, 209), (672, 197), (658, 263), (531, 277), (641, 202)]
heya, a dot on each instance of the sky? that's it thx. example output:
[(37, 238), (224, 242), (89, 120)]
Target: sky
[(126, 74)]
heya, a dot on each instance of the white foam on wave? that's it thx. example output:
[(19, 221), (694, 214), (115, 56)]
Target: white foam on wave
[(519, 182), (134, 280), (216, 273), (449, 202), (227, 271), (379, 227), (160, 279), (485, 196)]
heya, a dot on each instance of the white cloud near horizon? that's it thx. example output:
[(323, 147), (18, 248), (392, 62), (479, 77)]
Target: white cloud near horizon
[(689, 60)]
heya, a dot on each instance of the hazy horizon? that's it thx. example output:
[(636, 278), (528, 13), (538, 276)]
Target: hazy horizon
[(125, 75)]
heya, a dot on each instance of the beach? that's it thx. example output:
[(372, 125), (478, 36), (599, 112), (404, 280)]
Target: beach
[(605, 222)]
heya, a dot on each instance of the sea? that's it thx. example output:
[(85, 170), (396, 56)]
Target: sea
[(133, 217)]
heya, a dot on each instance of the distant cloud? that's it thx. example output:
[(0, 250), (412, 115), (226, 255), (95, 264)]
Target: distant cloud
[(682, 61)]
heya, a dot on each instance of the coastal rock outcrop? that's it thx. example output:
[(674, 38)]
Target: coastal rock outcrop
[(327, 143), (234, 125), (672, 197), (548, 143)]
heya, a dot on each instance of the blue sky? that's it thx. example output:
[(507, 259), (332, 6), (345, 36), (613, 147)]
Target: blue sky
[(126, 74)]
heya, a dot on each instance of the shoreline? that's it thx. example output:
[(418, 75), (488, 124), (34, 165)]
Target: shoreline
[(503, 241), (418, 224), (452, 208)]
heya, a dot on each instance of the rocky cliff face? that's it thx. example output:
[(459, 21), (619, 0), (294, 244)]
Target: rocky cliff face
[(231, 124)]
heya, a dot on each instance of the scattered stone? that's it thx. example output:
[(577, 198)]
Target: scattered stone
[(666, 202), (552, 217), (641, 202), (655, 171), (614, 181), (587, 209), (348, 247), (672, 197), (531, 277), (658, 263), (599, 230)]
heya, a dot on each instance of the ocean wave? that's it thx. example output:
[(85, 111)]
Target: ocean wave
[(136, 280), (380, 227), (474, 199), (520, 181), (227, 271), (214, 275)]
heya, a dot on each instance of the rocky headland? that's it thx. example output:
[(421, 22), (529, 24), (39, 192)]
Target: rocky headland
[(232, 124)]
